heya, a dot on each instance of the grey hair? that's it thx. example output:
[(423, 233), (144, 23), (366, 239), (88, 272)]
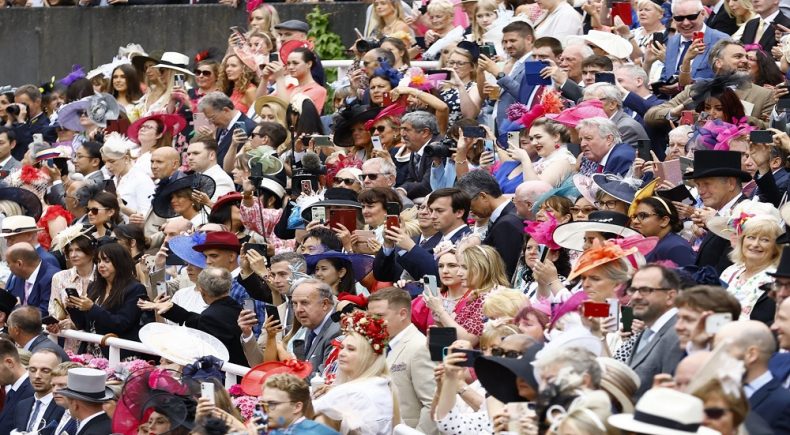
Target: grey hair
[(214, 281), (605, 127), (216, 100), (634, 71), (386, 167), (477, 181), (295, 261), (421, 120), (579, 360), (718, 48), (608, 92), (681, 132), (323, 289), (675, 4), (585, 50)]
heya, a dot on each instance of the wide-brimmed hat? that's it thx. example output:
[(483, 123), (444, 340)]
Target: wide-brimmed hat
[(498, 374), (268, 99), (182, 246), (572, 116), (600, 255), (13, 225), (708, 163), (620, 381), (180, 344), (361, 264), (228, 198), (87, 384), (219, 240), (783, 269), (745, 214), (25, 198), (348, 118), (139, 60), (612, 44), (175, 61), (334, 197), (664, 411), (199, 182), (103, 107), (571, 235), (69, 114), (615, 186), (252, 383), (173, 123)]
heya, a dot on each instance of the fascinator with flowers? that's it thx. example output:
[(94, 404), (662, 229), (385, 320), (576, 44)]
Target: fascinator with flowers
[(599, 255), (391, 74), (521, 116), (744, 215), (343, 162), (543, 232), (716, 134), (424, 82), (373, 329)]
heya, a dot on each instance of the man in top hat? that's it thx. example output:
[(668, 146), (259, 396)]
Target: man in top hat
[(85, 395), (32, 279), (17, 229), (14, 378), (718, 176)]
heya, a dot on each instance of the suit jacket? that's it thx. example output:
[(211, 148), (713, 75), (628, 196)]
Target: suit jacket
[(10, 166), (722, 21), (25, 408), (620, 159), (500, 236), (411, 371), (630, 129), (25, 131), (418, 178), (714, 250), (214, 320), (772, 403), (320, 348), (223, 140), (700, 69), (661, 355), (11, 402), (39, 294), (572, 91), (768, 39), (761, 97), (510, 85), (99, 425), (675, 248), (387, 268), (43, 342)]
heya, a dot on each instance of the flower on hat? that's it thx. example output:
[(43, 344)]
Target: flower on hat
[(552, 101), (543, 232), (420, 81), (516, 110), (737, 222), (373, 329)]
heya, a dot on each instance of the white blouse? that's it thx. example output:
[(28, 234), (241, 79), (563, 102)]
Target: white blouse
[(363, 407)]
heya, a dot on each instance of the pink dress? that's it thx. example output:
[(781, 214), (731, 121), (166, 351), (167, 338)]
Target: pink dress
[(315, 92), (471, 315), (421, 315), (251, 218), (238, 99)]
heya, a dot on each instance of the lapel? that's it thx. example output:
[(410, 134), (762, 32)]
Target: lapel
[(395, 354), (639, 358), (750, 31), (672, 55), (768, 40), (763, 393)]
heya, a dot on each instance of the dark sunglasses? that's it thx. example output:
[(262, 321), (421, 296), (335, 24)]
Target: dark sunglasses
[(373, 177), (498, 351), (95, 210), (199, 72), (82, 113), (259, 134), (379, 129), (346, 181), (680, 18), (715, 413)]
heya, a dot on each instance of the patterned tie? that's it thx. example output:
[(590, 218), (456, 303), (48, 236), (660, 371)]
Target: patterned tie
[(33, 422)]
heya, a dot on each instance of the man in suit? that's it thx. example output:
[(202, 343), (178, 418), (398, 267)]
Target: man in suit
[(15, 378), (36, 412), (408, 358), (488, 202), (24, 327), (726, 57), (762, 29), (85, 394), (30, 120), (88, 162), (314, 304), (214, 286), (32, 277), (633, 81), (517, 39), (693, 20), (719, 18), (202, 156), (751, 342), (771, 177), (657, 350), (165, 163), (567, 73), (612, 100), (602, 144), (7, 143), (67, 423), (418, 130), (220, 111)]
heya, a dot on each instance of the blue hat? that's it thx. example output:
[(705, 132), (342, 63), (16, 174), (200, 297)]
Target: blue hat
[(361, 264), (615, 186), (182, 247)]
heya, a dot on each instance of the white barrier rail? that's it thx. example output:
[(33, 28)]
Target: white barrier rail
[(232, 371)]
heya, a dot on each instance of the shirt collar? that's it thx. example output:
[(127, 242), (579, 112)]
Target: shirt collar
[(320, 328), (29, 343), (728, 206), (84, 422), (233, 120), (3, 163), (32, 278), (718, 6), (15, 386), (770, 18), (758, 383), (397, 338), (419, 153), (498, 211), (450, 235), (661, 321), (606, 157)]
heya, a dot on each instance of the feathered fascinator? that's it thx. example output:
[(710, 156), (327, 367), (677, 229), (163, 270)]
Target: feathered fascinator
[(373, 329), (646, 191), (117, 145), (343, 162), (76, 73), (701, 90), (31, 178), (47, 87), (392, 75), (443, 247), (543, 232), (419, 80), (599, 255), (643, 244), (739, 129), (70, 234), (394, 110), (566, 189), (722, 367), (519, 116)]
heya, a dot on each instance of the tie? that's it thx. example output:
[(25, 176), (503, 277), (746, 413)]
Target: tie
[(389, 349), (683, 51), (221, 134), (33, 423), (760, 30), (416, 159), (28, 286), (310, 337), (599, 169), (644, 340)]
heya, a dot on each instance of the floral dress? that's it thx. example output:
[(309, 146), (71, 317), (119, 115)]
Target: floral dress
[(453, 100), (471, 317), (747, 291)]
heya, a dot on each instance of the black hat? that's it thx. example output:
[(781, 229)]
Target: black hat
[(471, 47), (161, 202), (25, 198), (571, 235), (708, 163), (334, 196), (783, 270), (348, 118), (7, 302), (498, 374), (139, 60)]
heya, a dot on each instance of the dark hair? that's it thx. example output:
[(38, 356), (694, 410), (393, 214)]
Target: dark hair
[(133, 91), (208, 142), (548, 41), (82, 243), (347, 282), (767, 71), (730, 104), (274, 131), (327, 237), (123, 263), (458, 199), (521, 27), (669, 278), (307, 55), (382, 54), (400, 45), (709, 298), (382, 195), (94, 151), (562, 263), (665, 208), (131, 232), (306, 122), (475, 182), (79, 89), (9, 132), (108, 200), (602, 62)]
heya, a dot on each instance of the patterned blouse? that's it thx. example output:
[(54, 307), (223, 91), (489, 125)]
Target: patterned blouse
[(470, 317)]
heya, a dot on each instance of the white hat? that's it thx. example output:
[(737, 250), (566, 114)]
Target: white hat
[(663, 411), (610, 43), (180, 344), (175, 61), (744, 214), (13, 225)]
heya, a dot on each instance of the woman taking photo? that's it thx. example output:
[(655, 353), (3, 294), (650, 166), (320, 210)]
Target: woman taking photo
[(206, 76), (362, 399), (657, 217), (482, 271), (387, 19), (299, 63), (103, 213), (78, 248), (427, 310), (133, 187), (650, 14), (238, 82), (440, 19), (126, 86), (374, 212), (152, 132), (460, 94)]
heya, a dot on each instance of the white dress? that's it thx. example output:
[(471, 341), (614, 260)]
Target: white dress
[(363, 407)]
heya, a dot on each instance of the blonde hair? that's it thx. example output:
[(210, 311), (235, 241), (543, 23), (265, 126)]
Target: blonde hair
[(483, 6), (641, 3), (441, 7), (271, 17), (747, 4), (493, 334), (757, 228), (378, 22), (504, 303), (279, 113), (485, 264), (296, 388)]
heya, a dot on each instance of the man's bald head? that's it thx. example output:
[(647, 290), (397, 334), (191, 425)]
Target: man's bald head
[(526, 195), (747, 340), (164, 162), (689, 367), (176, 226), (22, 259)]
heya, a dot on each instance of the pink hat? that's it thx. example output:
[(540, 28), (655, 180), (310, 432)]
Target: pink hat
[(572, 116)]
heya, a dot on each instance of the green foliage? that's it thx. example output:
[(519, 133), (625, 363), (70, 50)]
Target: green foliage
[(327, 44)]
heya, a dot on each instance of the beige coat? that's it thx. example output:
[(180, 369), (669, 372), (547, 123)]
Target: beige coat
[(411, 370)]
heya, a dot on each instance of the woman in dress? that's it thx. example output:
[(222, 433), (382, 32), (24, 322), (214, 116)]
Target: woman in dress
[(133, 186), (152, 132), (460, 93), (298, 66), (388, 19), (482, 271), (362, 399), (238, 82), (754, 227), (427, 310), (658, 217), (126, 86), (79, 250)]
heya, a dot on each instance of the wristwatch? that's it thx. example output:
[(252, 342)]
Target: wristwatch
[(500, 75)]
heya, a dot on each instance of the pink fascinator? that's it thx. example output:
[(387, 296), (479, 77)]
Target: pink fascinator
[(740, 128), (423, 82), (643, 244), (543, 232), (572, 116), (572, 304)]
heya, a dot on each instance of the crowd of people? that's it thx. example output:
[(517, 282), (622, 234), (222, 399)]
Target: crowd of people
[(574, 222)]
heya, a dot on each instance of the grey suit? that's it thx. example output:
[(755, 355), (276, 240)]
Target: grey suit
[(43, 342), (661, 355), (11, 165), (320, 347), (630, 129)]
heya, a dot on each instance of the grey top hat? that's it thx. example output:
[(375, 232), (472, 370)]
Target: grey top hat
[(299, 26), (87, 384)]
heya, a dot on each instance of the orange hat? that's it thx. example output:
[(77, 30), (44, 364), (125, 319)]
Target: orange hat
[(600, 255)]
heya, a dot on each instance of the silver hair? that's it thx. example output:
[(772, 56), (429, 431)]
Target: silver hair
[(579, 360), (585, 50), (323, 289), (386, 167), (608, 91), (681, 132), (421, 120), (214, 281), (296, 262), (675, 4), (635, 71), (216, 100), (605, 127)]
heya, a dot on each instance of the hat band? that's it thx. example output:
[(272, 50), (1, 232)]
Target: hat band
[(18, 230), (93, 395), (657, 420)]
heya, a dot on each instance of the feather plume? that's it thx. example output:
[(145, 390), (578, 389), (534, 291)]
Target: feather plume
[(543, 232), (76, 73), (71, 233)]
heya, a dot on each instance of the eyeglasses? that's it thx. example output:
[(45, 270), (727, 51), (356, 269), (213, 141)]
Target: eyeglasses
[(379, 128), (204, 73), (645, 290), (642, 216), (272, 404), (779, 285), (607, 205), (258, 134), (715, 413), (585, 210), (680, 18), (498, 351), (95, 210), (373, 177), (455, 63), (346, 181)]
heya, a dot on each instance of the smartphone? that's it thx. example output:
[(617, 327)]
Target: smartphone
[(72, 292), (471, 356), (761, 136), (596, 309), (643, 147), (419, 41), (241, 126), (387, 100), (249, 304), (438, 339), (544, 252), (173, 259), (687, 117), (659, 38), (393, 208), (512, 140), (322, 140), (272, 311), (698, 36), (207, 391), (438, 72), (715, 321), (307, 187), (236, 30), (343, 216), (488, 49), (199, 119), (604, 77), (614, 311), (161, 288), (49, 320), (319, 214), (393, 222), (179, 80), (377, 143), (622, 10), (274, 56), (260, 248), (474, 132), (429, 283)]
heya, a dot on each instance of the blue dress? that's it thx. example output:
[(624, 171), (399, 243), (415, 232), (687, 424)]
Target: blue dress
[(508, 185), (675, 248)]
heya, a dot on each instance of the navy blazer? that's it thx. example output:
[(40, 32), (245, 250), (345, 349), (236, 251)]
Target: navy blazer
[(7, 415), (39, 294), (22, 414), (620, 159), (419, 261), (641, 105), (700, 69), (675, 248), (779, 365), (418, 176), (772, 403), (506, 236), (224, 144), (43, 342), (510, 86), (768, 39)]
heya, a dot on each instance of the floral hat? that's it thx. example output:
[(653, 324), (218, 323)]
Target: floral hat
[(373, 329), (743, 215), (543, 232), (600, 255)]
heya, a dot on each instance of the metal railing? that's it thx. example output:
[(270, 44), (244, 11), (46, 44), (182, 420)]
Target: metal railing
[(232, 371)]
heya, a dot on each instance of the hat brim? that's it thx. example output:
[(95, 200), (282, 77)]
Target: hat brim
[(719, 172), (568, 235), (174, 68), (252, 382), (307, 213), (69, 119), (161, 202), (108, 395), (343, 137), (268, 99), (498, 382), (138, 61), (182, 247), (614, 188), (627, 422), (600, 262), (25, 198), (32, 230), (181, 344), (206, 246), (361, 264)]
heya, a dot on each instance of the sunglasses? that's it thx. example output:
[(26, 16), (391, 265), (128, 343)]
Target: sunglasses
[(498, 351), (346, 181), (680, 18), (81, 113), (715, 413), (95, 210), (373, 177), (203, 73), (380, 129)]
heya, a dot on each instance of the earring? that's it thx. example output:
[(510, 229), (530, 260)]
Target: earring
[(557, 146)]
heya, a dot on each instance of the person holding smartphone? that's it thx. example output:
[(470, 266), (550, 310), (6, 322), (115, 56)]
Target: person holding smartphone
[(298, 65)]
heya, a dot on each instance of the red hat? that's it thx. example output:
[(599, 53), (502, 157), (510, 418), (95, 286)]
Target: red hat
[(230, 197), (252, 382), (292, 45), (219, 240), (173, 123)]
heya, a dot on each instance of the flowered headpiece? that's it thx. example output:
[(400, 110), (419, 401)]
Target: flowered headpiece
[(743, 215), (543, 232), (70, 234), (392, 75), (343, 162), (373, 329), (599, 255), (739, 128), (31, 178), (423, 82), (76, 73)]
